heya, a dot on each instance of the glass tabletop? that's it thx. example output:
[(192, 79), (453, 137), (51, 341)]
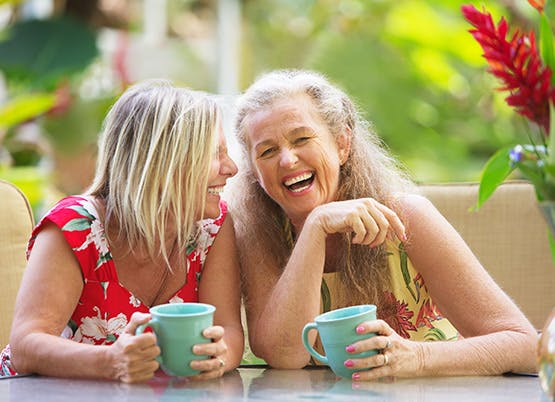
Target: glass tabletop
[(279, 385)]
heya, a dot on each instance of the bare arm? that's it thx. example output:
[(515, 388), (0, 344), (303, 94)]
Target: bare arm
[(497, 336), (49, 292), (220, 286), (281, 301)]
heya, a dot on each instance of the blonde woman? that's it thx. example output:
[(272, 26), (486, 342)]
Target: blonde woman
[(149, 226), (337, 223)]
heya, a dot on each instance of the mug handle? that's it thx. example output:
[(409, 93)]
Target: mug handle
[(153, 324), (308, 346)]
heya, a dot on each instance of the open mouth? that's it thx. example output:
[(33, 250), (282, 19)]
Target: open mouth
[(215, 190), (299, 183)]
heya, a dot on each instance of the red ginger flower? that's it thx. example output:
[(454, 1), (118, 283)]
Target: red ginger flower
[(537, 4), (517, 63)]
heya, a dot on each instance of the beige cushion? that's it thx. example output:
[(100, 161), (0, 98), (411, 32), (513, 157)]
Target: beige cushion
[(509, 236), (16, 224)]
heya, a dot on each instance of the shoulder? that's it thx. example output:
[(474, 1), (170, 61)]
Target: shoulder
[(70, 208), (74, 216), (420, 216), (413, 206)]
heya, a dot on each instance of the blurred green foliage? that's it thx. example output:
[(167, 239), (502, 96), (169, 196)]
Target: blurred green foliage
[(410, 65)]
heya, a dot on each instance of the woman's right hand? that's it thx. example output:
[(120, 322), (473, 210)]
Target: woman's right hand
[(367, 218), (133, 357)]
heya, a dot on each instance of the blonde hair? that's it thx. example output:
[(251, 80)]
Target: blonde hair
[(157, 144), (369, 172)]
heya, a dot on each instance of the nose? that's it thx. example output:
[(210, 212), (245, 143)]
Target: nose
[(228, 167), (287, 158)]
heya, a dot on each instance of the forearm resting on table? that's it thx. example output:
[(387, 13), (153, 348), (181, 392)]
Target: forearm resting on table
[(277, 345), (52, 355), (491, 354), (234, 339)]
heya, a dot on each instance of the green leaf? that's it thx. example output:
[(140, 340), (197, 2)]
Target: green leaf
[(532, 172), (546, 44), (551, 143), (77, 224), (41, 52), (497, 169), (24, 108), (435, 334)]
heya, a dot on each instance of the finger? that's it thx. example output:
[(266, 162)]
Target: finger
[(374, 374), (143, 341), (210, 349), (371, 227), (215, 332), (213, 364), (374, 343), (136, 320), (208, 375), (145, 374), (394, 221), (382, 224), (357, 226), (378, 326), (134, 369), (375, 361)]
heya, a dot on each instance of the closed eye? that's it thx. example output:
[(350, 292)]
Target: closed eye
[(301, 140), (267, 152)]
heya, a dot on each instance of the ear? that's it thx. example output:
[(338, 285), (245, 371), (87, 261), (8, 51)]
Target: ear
[(344, 145)]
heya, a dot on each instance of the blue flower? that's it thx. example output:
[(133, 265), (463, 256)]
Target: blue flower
[(515, 155)]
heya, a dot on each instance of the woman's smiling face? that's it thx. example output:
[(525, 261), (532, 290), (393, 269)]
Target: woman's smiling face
[(295, 157)]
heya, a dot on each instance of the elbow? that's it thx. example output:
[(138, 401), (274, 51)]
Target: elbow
[(18, 362), (286, 363), (281, 358)]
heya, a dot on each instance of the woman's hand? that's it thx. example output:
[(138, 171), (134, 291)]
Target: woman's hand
[(367, 218), (133, 357), (217, 350), (397, 356)]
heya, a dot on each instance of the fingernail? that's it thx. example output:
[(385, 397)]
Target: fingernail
[(356, 376), (349, 363), (360, 329), (350, 349), (404, 238)]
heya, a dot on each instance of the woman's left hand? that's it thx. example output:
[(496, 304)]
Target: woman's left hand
[(397, 356), (214, 366)]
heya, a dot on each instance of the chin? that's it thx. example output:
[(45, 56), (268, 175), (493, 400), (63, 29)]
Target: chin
[(211, 210)]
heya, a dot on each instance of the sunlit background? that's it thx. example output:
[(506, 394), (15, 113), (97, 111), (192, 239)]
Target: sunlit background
[(410, 65)]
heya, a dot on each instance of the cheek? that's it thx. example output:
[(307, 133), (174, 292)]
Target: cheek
[(214, 170)]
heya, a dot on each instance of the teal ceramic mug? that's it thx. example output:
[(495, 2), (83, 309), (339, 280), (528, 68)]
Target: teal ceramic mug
[(337, 329), (179, 326)]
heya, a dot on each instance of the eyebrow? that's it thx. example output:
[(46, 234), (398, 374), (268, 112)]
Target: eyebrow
[(295, 131)]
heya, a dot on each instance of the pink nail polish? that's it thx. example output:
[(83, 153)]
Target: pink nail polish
[(360, 329), (356, 376), (350, 349), (349, 363)]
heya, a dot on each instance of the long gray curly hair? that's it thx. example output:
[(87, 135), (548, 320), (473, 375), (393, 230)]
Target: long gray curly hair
[(370, 171)]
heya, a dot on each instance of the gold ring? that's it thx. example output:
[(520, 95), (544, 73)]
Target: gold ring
[(222, 361), (388, 344), (385, 360)]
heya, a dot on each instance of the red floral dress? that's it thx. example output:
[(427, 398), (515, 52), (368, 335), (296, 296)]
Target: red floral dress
[(105, 306)]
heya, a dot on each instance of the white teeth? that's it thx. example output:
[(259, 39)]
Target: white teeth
[(215, 190), (297, 179), (298, 190)]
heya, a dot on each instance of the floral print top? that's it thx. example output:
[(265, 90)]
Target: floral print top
[(105, 306), (407, 307)]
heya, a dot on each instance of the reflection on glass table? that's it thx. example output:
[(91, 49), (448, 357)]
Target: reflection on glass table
[(275, 385)]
